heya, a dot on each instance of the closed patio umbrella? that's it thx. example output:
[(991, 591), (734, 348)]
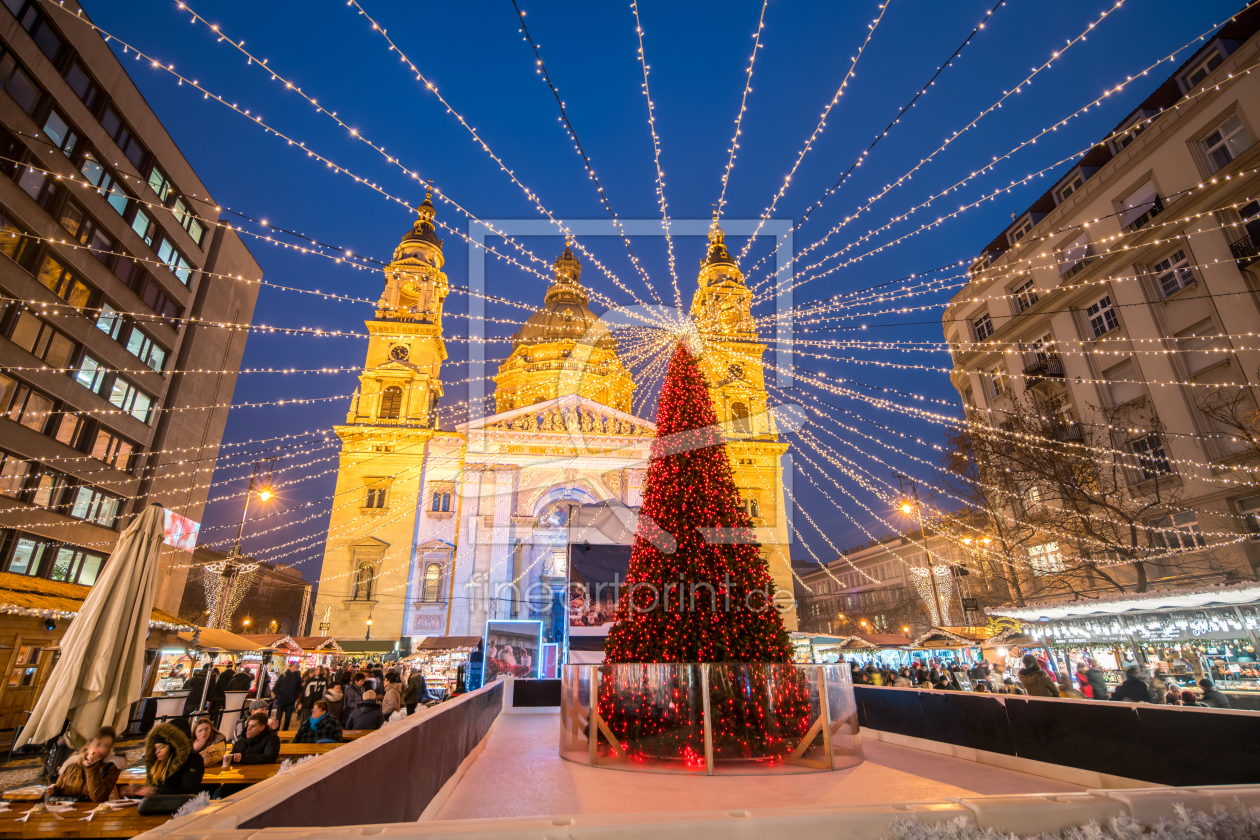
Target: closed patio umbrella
[(101, 669)]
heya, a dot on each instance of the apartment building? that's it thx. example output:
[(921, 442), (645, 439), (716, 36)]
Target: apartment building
[(1118, 318), (883, 587), (111, 285)]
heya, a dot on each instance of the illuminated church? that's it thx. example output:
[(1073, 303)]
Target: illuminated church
[(436, 530)]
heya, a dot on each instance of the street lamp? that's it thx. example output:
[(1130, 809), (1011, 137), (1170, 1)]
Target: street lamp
[(368, 637), (231, 567), (907, 507)]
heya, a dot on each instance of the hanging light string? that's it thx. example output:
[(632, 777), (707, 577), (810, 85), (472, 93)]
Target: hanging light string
[(450, 109), (818, 129), (743, 106), (881, 135), (656, 154), (581, 150), (976, 121), (988, 168), (339, 169), (1013, 270)]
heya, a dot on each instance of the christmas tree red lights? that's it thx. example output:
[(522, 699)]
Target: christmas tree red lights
[(710, 600)]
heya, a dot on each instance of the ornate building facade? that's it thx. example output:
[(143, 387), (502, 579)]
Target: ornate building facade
[(435, 531)]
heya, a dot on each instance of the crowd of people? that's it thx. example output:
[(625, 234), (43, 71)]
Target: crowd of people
[(320, 702), (1036, 677)]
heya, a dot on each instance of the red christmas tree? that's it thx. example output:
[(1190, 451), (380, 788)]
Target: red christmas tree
[(709, 599)]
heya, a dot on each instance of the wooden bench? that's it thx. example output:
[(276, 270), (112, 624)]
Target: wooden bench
[(124, 822)]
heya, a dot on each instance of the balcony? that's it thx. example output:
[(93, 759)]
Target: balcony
[(1141, 221), (1043, 368), (1246, 250), (1066, 432)]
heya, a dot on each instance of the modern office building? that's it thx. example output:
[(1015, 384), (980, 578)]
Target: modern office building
[(1112, 326), (112, 283)]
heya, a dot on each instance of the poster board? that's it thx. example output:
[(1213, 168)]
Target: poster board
[(513, 648)]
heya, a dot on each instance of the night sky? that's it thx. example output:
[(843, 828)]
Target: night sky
[(698, 54)]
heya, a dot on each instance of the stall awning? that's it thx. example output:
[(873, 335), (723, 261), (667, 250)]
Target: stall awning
[(41, 598), (317, 644), (951, 637), (1237, 594), (221, 640), (447, 643), (276, 641), (367, 646)]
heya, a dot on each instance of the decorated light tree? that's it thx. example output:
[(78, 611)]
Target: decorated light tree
[(708, 600)]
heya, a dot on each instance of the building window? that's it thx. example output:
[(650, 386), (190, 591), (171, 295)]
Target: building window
[(1151, 460), (1020, 230), (83, 86), (1173, 274), (1123, 138), (982, 327), (122, 135), (1074, 256), (42, 341), (13, 472), (61, 135), (84, 228), (1123, 384), (364, 578), (130, 399), (26, 557), (19, 84), (54, 276), (1201, 346), (998, 380), (161, 184), (94, 506), (1045, 559), (1025, 295), (109, 448), (432, 583), (109, 321), (1250, 508), (1074, 183), (22, 405), (391, 403), (188, 220), (442, 502), (1102, 317), (145, 349), (375, 497), (174, 260), (741, 423), (1178, 532), (73, 565), (1225, 143), (1140, 206), (1203, 68)]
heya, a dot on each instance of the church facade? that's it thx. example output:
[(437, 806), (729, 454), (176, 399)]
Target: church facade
[(434, 531)]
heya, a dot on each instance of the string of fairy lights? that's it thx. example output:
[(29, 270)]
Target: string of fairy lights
[(841, 478)]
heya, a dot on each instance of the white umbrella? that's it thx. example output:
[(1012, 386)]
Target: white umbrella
[(101, 669)]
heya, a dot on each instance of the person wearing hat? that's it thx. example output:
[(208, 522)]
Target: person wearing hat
[(1036, 681), (170, 764), (1212, 697)]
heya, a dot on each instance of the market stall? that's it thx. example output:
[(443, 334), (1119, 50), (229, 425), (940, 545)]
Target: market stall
[(878, 649), (954, 647), (1186, 634), (439, 658)]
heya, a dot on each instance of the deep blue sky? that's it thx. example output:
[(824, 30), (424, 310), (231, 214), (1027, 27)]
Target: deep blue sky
[(698, 53)]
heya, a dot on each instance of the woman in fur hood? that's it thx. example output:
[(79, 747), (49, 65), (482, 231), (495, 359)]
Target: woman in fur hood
[(171, 766)]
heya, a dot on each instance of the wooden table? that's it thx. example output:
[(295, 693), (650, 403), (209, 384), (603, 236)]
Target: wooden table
[(125, 822), (287, 750), (239, 774), (346, 734)]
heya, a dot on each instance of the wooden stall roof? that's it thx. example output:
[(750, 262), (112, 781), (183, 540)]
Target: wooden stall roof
[(211, 638), (278, 641), (317, 644), (34, 596)]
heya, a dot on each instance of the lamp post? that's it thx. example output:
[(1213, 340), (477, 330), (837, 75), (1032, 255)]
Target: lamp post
[(231, 567), (368, 637), (917, 508)]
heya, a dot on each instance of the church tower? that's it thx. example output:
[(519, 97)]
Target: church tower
[(732, 367), (563, 349), (392, 416)]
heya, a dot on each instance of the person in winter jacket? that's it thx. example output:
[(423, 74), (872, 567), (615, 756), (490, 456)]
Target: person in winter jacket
[(366, 715), (353, 693), (417, 690), (336, 701), (312, 692), (1134, 689), (1188, 698), (1035, 680), (259, 746), (241, 681), (195, 685), (208, 742), (320, 728), (1212, 696), (286, 692), (92, 771), (170, 765), (1097, 683), (393, 700)]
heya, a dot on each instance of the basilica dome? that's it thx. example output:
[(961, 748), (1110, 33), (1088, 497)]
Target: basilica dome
[(565, 315)]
